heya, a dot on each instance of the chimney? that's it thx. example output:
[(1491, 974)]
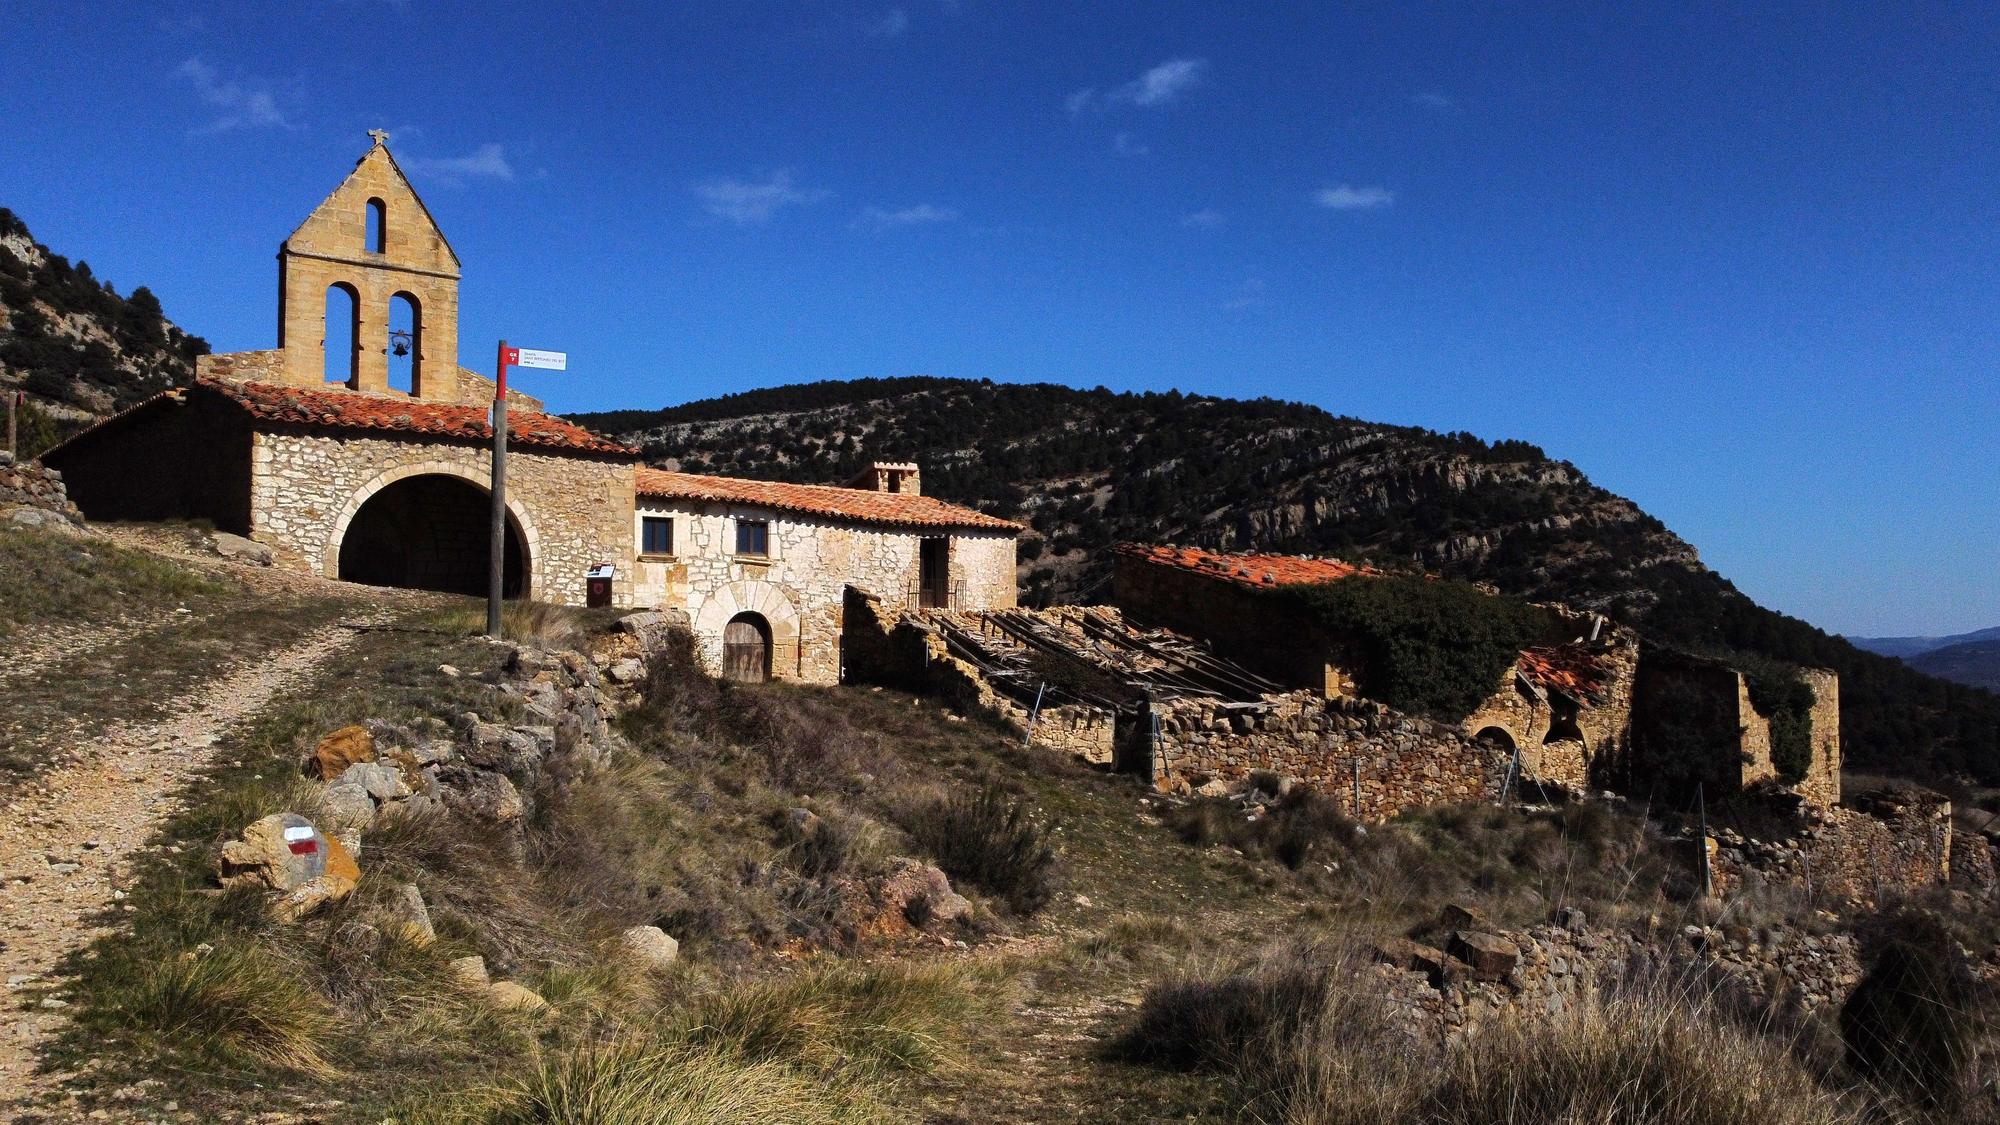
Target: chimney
[(890, 476)]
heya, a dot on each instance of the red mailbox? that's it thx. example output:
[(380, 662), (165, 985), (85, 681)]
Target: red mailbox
[(597, 586)]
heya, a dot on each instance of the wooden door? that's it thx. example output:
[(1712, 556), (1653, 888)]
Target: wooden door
[(746, 651)]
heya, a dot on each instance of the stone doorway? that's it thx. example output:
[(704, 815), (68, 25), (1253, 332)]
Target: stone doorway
[(430, 532), (746, 649)]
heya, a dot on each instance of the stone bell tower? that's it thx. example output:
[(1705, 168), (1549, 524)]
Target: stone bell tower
[(369, 244)]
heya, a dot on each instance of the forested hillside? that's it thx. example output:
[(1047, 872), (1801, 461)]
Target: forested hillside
[(78, 348), (1085, 469)]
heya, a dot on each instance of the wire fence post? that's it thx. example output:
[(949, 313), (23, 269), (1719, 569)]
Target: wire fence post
[(1507, 782), (1357, 788), (1028, 737), (1701, 816)]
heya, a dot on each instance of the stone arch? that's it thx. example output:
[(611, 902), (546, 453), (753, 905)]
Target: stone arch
[(412, 312), (375, 235), (1498, 736), (749, 595), (531, 542), (350, 370)]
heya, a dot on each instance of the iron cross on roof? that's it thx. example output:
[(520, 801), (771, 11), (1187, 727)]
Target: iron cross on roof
[(380, 136)]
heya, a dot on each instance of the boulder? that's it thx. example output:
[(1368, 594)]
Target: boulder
[(343, 748), (383, 782), (518, 754), (312, 894), (347, 807), (406, 916), (238, 549), (626, 671), (919, 890), (1457, 916), (484, 795), (469, 971), (650, 946), (513, 997), (1441, 967), (1489, 955), (284, 851)]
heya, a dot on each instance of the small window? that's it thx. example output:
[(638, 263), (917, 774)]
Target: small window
[(656, 535), (377, 234), (753, 537)]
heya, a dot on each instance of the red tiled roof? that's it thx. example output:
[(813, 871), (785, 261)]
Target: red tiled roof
[(898, 509), (1571, 668), (347, 410), (1263, 571)]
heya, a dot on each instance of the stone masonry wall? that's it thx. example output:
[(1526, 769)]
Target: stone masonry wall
[(31, 485), (574, 512), (1850, 854), (1404, 762), (1563, 740), (798, 587)]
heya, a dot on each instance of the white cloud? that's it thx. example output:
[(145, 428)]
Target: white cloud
[(1347, 197), (1206, 219), (745, 201), (1433, 100), (487, 162), (243, 106), (893, 23), (879, 219), (1158, 86), (1125, 144)]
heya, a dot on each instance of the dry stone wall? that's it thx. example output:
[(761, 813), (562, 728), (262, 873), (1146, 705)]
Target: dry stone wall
[(1892, 843), (32, 485), (574, 512), (1402, 762)]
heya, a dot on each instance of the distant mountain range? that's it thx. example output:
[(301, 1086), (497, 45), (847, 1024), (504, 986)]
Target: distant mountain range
[(1969, 658), (1084, 469)]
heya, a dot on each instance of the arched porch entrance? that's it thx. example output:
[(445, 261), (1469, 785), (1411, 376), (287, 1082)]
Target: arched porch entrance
[(430, 532)]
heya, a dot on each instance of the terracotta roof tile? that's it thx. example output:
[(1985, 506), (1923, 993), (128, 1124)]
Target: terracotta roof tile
[(1571, 668), (347, 410), (1262, 571), (897, 509)]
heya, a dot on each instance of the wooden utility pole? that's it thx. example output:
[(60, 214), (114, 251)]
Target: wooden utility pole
[(496, 563)]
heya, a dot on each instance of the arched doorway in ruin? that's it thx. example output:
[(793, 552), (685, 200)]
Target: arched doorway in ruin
[(430, 531), (746, 649), (1499, 737)]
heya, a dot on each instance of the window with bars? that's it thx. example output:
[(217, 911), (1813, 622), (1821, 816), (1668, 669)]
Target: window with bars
[(656, 535)]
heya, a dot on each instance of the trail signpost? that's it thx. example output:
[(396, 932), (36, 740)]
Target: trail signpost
[(496, 563)]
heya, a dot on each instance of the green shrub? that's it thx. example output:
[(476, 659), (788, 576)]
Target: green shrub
[(1427, 646), (1783, 697), (992, 840)]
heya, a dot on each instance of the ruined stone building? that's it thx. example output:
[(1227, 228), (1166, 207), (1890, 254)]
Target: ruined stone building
[(358, 449)]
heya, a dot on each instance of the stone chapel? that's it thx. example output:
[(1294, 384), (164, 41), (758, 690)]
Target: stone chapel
[(358, 449)]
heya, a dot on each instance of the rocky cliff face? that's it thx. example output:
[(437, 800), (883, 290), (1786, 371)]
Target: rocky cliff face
[(78, 348)]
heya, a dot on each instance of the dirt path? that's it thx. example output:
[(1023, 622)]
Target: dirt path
[(66, 838)]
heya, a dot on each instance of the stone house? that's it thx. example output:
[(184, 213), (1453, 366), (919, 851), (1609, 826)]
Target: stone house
[(1704, 704), (359, 449), (762, 568)]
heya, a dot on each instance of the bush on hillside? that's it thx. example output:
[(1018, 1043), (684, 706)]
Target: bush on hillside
[(1430, 647), (991, 840), (1909, 1024)]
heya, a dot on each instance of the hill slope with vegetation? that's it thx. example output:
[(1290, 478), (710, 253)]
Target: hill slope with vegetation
[(79, 349), (1088, 468)]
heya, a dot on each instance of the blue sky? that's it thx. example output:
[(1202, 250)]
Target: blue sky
[(1741, 267)]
